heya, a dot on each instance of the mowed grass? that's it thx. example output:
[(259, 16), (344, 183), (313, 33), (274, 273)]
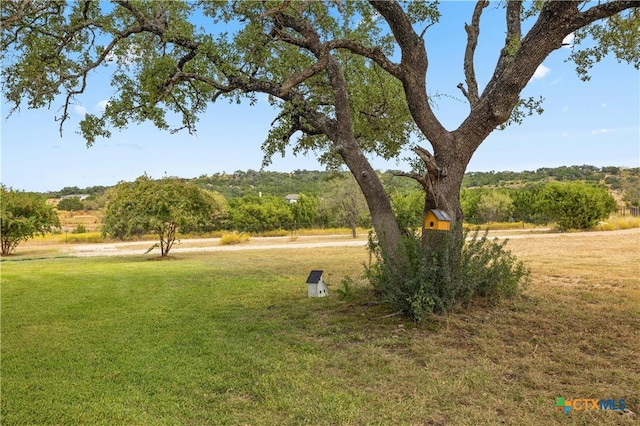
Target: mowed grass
[(231, 338)]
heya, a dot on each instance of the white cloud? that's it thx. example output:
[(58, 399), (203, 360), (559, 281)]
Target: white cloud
[(567, 42), (80, 110), (541, 72), (602, 131), (101, 106)]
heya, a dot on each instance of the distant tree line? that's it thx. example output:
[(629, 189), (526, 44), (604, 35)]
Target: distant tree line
[(256, 202), (74, 190), (564, 173), (314, 183)]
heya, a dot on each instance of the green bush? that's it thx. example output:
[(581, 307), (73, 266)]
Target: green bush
[(446, 273), (80, 229), (576, 205), (71, 204)]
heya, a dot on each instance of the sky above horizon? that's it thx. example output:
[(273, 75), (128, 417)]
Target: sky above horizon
[(595, 123)]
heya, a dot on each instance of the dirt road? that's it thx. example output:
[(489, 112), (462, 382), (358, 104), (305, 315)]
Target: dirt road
[(269, 243)]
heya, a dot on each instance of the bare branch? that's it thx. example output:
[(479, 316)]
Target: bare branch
[(473, 31), (463, 90), (430, 180), (429, 161), (70, 96), (421, 179), (424, 31)]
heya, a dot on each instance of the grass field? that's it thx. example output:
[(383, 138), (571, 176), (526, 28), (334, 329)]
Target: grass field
[(231, 338)]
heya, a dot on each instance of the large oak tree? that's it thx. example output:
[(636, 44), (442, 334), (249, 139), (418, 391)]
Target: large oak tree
[(348, 77)]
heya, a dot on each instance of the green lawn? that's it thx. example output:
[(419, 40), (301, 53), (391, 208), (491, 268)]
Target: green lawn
[(231, 338)]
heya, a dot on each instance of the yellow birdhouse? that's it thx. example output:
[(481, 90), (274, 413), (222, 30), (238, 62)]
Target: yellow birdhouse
[(437, 220)]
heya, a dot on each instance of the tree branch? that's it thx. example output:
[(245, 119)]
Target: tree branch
[(20, 10), (514, 34), (521, 57), (429, 180), (301, 76), (604, 10), (473, 31), (413, 71), (375, 54)]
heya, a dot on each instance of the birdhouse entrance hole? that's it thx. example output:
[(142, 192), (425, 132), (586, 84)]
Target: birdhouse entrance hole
[(437, 220)]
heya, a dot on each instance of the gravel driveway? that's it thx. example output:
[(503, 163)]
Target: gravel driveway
[(270, 243)]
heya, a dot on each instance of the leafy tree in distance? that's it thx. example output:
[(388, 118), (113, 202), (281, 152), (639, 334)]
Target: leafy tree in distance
[(407, 206), (305, 210), (344, 202), (469, 201), (257, 214), (330, 68), (495, 206), (160, 207), (23, 215), (526, 206), (70, 204), (576, 205)]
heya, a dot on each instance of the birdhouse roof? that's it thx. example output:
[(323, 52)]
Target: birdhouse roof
[(441, 215), (314, 277)]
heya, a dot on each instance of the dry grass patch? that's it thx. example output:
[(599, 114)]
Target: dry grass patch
[(602, 259), (90, 219)]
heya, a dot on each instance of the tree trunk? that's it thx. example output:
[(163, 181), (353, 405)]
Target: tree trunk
[(167, 243), (340, 132), (382, 216), (442, 190)]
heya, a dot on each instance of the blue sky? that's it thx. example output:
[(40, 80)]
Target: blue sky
[(595, 122)]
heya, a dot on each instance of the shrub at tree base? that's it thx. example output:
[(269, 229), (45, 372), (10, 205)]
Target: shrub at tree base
[(457, 272)]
